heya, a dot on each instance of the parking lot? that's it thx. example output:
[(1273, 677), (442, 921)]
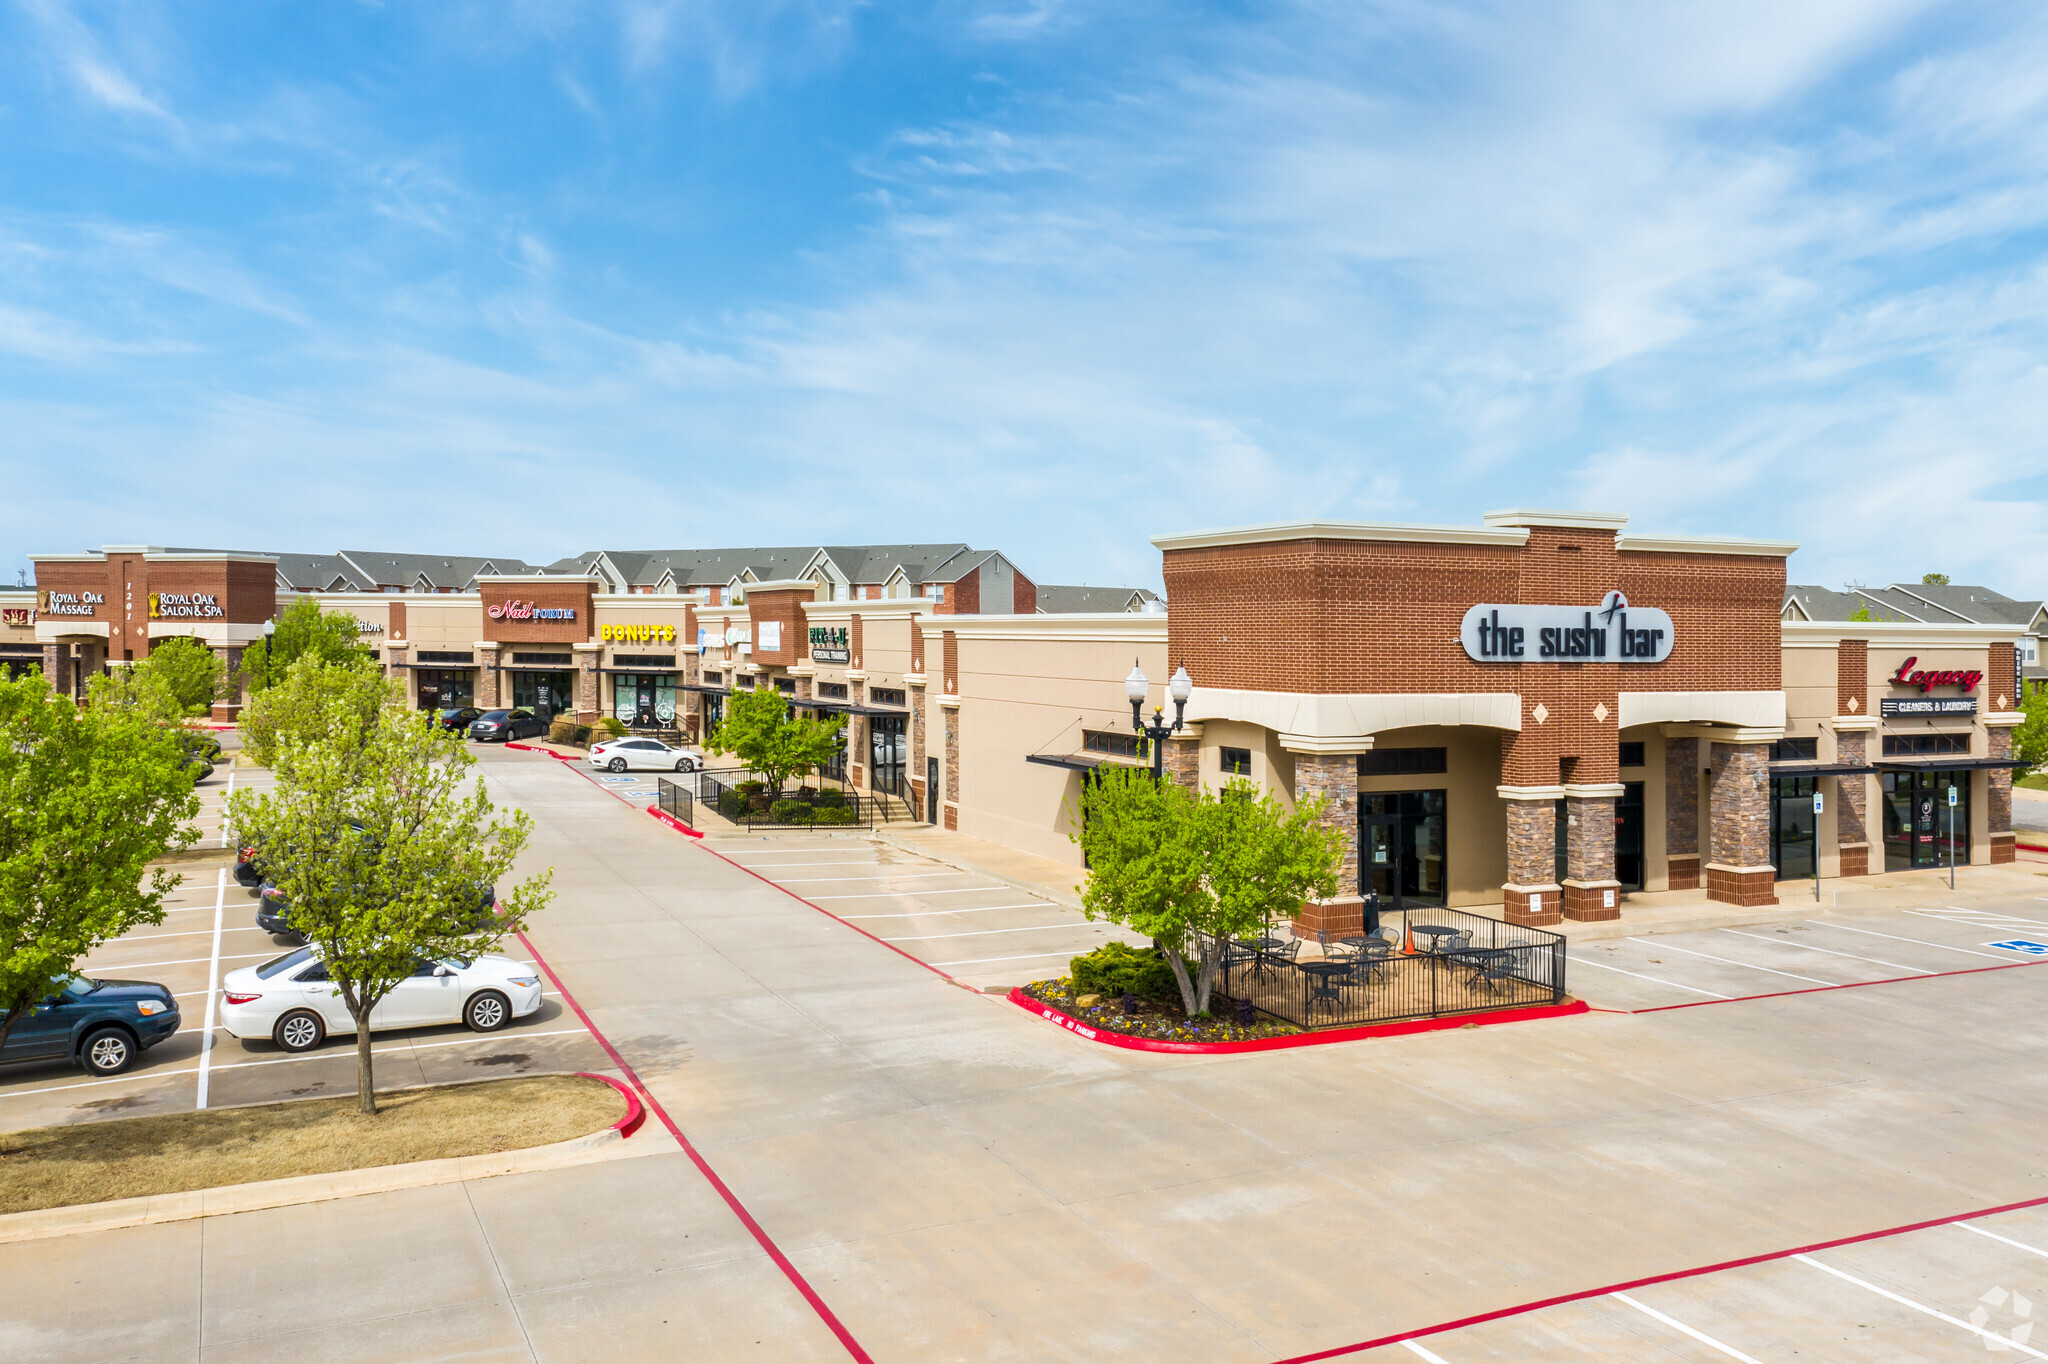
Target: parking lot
[(982, 932), (186, 954), (1964, 1290)]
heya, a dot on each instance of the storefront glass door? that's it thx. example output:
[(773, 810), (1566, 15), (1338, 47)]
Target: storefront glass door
[(1916, 819), (1628, 836), (1792, 827), (446, 688), (545, 694), (644, 700), (1402, 844), (888, 750)]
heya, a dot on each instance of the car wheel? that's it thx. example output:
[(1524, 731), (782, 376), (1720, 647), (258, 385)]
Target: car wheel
[(107, 1051), (299, 1030), (685, 765), (487, 1011), (616, 765)]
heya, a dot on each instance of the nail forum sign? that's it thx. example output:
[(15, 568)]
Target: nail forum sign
[(1612, 632)]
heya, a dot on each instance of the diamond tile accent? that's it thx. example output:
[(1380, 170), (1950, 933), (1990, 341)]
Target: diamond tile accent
[(1600, 712), (1852, 705), (1542, 712)]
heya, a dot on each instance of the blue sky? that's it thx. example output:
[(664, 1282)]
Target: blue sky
[(1052, 277)]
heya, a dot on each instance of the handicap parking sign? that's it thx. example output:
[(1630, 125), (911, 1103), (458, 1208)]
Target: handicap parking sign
[(616, 780), (2032, 949)]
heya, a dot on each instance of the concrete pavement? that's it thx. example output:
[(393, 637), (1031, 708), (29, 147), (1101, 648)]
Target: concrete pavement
[(959, 1181)]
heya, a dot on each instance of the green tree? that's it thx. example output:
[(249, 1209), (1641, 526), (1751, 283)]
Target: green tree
[(302, 630), (1191, 871), (1935, 579), (2030, 736), (759, 731), (1860, 613), (381, 843), (91, 799), (315, 699), (193, 673)]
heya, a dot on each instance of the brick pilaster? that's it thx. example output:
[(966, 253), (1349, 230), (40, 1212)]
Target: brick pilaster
[(1739, 810), (1183, 764), (1852, 820), (1998, 798), (1682, 813), (950, 791), (57, 667), (1334, 777)]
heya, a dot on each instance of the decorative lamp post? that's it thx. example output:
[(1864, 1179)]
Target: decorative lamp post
[(1180, 687)]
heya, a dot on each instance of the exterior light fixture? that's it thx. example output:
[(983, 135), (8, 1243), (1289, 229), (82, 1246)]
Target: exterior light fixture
[(1180, 689)]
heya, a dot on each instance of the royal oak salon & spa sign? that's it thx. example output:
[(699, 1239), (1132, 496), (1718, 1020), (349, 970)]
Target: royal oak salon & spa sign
[(1612, 632)]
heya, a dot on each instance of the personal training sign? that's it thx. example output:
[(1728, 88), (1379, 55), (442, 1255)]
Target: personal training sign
[(1612, 632)]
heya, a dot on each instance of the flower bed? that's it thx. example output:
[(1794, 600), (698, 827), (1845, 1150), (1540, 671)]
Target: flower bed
[(1166, 1023)]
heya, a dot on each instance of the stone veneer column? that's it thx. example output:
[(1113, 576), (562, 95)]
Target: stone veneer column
[(917, 747), (1739, 809), (589, 684), (1532, 894), (1998, 797), (1334, 777), (952, 773), (1184, 758), (1852, 819), (1590, 891), (57, 667), (1682, 813), (487, 675)]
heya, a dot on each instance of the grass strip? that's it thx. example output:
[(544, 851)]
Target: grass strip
[(55, 1167)]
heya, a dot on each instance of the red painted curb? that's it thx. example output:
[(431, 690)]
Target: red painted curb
[(529, 748), (635, 1113), (1672, 1277), (739, 1209), (1300, 1039), (666, 818)]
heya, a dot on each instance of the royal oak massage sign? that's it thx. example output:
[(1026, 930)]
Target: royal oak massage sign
[(1612, 632), (69, 603)]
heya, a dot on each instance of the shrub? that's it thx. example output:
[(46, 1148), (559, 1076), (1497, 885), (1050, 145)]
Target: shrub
[(612, 725), (790, 812), (732, 804), (832, 796), (825, 813), (751, 788), (1115, 967)]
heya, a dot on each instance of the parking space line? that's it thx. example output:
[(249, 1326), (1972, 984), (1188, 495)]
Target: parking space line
[(977, 961), (189, 933), (182, 961), (229, 791), (1999, 1341), (1732, 962), (2016, 1245), (1423, 1354), (212, 986), (1808, 947), (1581, 961), (1966, 951), (856, 862), (288, 1060), (917, 876), (888, 894), (982, 932), (978, 909), (1701, 1336)]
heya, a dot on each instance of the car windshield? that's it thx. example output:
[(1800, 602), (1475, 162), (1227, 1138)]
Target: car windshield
[(492, 715), (283, 963), (78, 987)]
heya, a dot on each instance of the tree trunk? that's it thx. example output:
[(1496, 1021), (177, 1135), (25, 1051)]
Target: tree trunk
[(1212, 957), (366, 1081), (1180, 976)]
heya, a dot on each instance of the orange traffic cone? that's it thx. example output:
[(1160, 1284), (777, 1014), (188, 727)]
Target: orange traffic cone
[(1408, 941)]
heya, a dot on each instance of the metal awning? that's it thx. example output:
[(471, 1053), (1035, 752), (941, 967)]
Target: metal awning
[(672, 668), (706, 688), (1081, 762), (1819, 769), (1948, 764), (859, 708)]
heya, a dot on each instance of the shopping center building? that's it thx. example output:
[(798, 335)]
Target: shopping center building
[(1545, 712)]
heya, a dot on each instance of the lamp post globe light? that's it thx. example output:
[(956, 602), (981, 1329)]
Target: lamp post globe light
[(1180, 687)]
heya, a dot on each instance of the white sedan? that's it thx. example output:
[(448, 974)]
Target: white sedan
[(616, 755), (290, 1000)]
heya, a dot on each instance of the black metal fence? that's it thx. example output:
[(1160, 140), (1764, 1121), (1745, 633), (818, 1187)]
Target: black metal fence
[(804, 808), (1461, 964), (676, 800)]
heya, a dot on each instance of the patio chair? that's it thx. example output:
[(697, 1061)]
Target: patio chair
[(1271, 957)]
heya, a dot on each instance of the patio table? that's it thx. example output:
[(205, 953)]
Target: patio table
[(1322, 978)]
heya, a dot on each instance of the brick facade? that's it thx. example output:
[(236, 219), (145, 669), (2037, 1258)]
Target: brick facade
[(564, 594), (2001, 677), (1852, 677), (950, 776), (1852, 830), (1998, 798)]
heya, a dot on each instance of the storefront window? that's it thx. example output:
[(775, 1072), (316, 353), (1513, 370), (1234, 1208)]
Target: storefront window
[(446, 688), (887, 751), (1404, 837), (546, 694), (1916, 819), (644, 700), (1792, 827)]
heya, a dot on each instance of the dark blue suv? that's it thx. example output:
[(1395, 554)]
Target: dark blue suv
[(102, 1025)]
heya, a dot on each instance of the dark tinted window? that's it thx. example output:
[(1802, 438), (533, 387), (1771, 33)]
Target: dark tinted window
[(1795, 750), (283, 963), (492, 715), (522, 715), (1631, 755), (887, 696), (317, 971), (1120, 745), (1236, 762), (1925, 745), (1401, 762)]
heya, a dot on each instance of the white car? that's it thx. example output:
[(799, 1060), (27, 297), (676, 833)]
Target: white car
[(289, 1000), (616, 755)]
